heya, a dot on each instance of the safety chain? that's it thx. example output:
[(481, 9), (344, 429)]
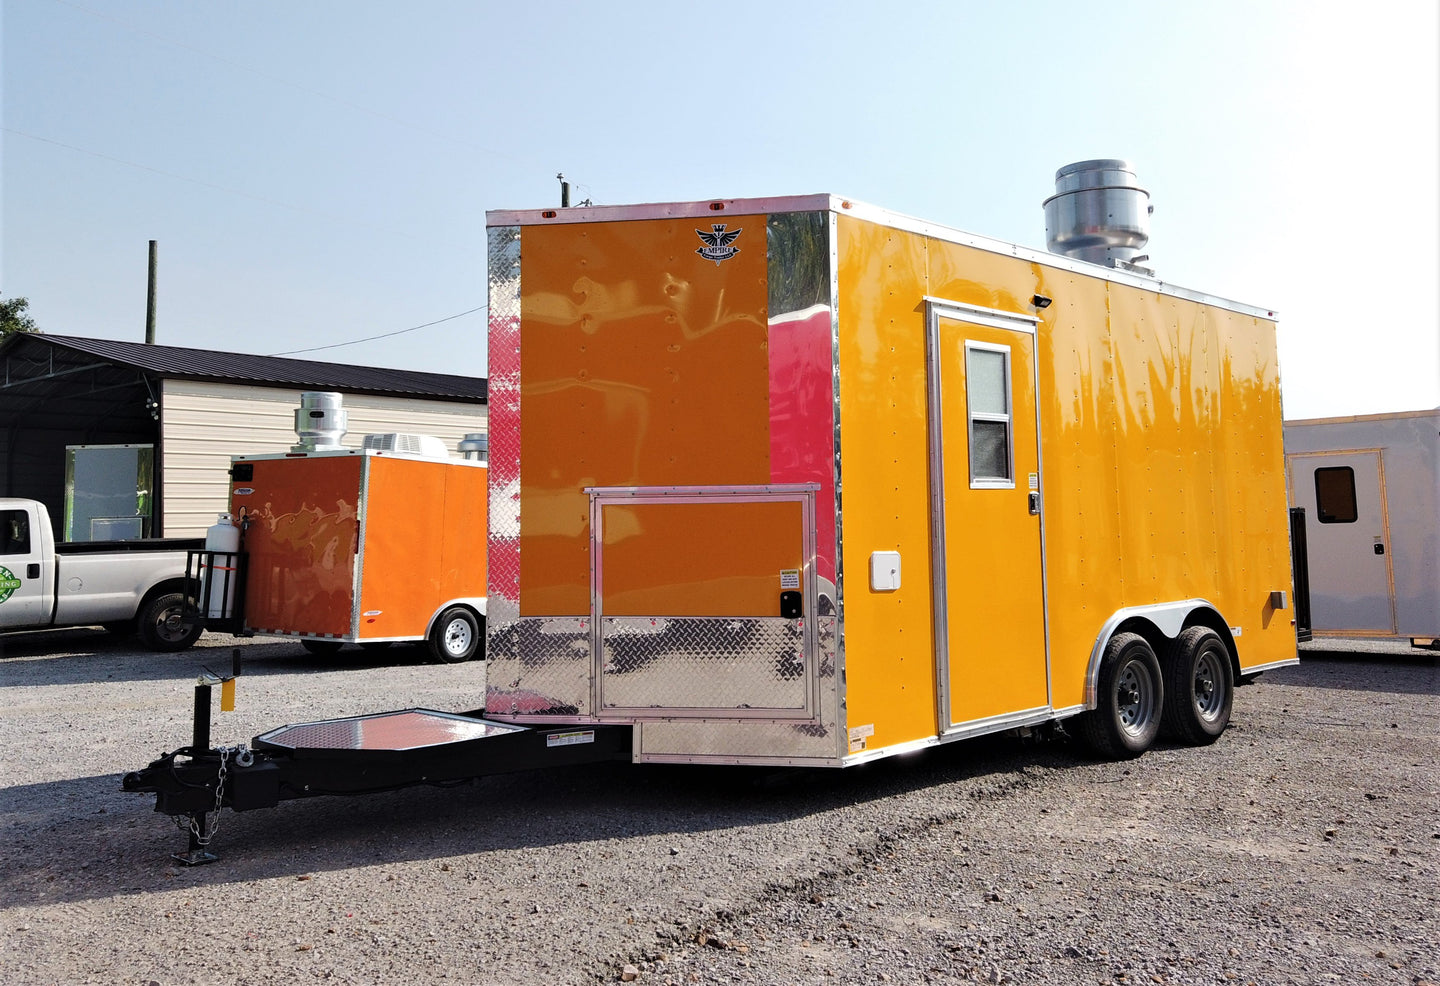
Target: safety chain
[(244, 757)]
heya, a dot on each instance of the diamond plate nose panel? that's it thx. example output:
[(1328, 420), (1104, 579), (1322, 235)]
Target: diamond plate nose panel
[(411, 729)]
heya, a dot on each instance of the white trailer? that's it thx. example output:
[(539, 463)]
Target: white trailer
[(1368, 485)]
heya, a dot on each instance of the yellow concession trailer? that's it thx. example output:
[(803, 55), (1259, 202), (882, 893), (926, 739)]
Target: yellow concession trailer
[(801, 481)]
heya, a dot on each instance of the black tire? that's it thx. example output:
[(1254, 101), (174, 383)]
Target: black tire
[(322, 648), (456, 636), (163, 624), (1129, 698), (1199, 687)]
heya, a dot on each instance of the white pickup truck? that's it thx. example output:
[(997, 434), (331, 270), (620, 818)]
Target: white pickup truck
[(119, 585)]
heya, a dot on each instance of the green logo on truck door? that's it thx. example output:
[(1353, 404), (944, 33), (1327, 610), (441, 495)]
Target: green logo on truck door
[(8, 583)]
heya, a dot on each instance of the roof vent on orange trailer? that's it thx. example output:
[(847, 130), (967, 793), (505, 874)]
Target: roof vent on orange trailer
[(424, 445), (320, 422), (475, 445), (1099, 214)]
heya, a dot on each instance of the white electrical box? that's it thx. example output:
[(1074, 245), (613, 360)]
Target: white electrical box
[(884, 571)]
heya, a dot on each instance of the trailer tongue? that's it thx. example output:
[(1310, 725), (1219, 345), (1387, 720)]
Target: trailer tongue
[(356, 755)]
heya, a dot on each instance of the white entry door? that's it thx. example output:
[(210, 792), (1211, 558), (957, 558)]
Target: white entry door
[(1347, 540)]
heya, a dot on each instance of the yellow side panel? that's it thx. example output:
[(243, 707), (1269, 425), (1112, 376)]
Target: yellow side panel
[(889, 654), (1079, 462), (639, 367), (699, 559), (1162, 471), (1163, 467)]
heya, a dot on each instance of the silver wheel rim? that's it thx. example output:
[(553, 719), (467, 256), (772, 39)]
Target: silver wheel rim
[(1135, 697), (457, 637), (171, 625), (1209, 689)]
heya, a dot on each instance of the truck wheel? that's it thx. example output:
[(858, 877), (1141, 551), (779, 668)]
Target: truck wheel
[(163, 624), (1199, 687), (455, 636), (1129, 698)]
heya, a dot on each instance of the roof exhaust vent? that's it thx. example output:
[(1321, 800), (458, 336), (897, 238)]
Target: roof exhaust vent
[(1099, 214), (475, 445), (320, 422)]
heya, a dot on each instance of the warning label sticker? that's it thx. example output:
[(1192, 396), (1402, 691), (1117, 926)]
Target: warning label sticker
[(859, 736), (571, 739), (790, 578)]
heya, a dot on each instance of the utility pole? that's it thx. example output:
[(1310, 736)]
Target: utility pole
[(564, 191), (150, 301)]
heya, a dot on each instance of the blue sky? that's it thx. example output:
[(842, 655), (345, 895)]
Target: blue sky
[(317, 172)]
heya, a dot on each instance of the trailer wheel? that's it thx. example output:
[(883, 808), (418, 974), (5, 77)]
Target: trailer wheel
[(1199, 687), (163, 625), (455, 636), (1130, 696), (322, 648)]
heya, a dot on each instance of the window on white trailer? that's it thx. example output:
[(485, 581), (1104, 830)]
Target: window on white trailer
[(1335, 495)]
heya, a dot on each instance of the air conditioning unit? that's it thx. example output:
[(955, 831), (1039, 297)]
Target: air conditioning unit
[(425, 445)]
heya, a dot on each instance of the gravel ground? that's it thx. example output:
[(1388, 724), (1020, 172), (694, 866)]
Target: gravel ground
[(1304, 847)]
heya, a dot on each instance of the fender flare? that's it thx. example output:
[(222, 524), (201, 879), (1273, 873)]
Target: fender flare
[(1157, 620), (477, 603)]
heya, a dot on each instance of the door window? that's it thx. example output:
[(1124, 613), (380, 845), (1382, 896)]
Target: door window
[(1335, 495), (987, 393)]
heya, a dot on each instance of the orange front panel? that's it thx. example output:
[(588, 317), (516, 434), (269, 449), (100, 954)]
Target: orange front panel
[(300, 539), (699, 559), (404, 540), (642, 364)]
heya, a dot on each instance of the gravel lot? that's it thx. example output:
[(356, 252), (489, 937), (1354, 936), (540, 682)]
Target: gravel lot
[(1304, 847)]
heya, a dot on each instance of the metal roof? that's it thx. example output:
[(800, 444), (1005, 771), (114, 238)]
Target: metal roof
[(24, 354)]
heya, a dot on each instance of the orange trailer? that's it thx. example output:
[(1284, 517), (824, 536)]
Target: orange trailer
[(363, 546)]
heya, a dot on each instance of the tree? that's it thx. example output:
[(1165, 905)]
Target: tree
[(13, 317)]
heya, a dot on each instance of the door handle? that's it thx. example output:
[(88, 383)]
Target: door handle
[(1034, 502), (1379, 548), (32, 570)]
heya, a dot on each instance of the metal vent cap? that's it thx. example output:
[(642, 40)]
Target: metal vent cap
[(320, 421), (1099, 213)]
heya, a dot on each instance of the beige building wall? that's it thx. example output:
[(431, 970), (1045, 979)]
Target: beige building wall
[(203, 424)]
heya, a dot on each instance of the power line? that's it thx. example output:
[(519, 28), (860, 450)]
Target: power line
[(383, 335)]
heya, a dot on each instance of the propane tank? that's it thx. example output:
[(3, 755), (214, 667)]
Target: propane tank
[(217, 584)]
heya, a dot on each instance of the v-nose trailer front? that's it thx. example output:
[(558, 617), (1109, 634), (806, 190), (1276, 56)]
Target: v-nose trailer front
[(800, 482)]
